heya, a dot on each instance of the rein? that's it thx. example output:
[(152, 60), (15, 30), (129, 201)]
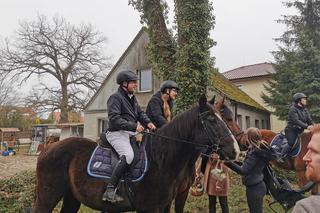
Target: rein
[(214, 146), (175, 139)]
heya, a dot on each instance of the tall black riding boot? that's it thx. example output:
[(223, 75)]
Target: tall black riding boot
[(110, 193)]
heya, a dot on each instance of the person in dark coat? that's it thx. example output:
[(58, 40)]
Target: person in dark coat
[(125, 119), (258, 156), (298, 119), (159, 108)]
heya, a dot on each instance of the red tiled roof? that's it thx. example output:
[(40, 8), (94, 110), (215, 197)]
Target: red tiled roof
[(250, 71)]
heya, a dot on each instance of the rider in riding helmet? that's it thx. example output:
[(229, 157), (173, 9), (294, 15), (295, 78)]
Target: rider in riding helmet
[(298, 119), (125, 118), (160, 106)]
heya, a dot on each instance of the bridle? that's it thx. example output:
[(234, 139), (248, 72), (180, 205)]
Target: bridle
[(214, 140)]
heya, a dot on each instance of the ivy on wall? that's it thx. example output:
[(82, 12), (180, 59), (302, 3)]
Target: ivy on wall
[(182, 56)]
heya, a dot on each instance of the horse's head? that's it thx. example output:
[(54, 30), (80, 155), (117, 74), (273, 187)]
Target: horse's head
[(228, 118), (217, 132)]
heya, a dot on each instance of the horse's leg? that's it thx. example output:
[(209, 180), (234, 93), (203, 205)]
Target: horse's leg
[(45, 202), (70, 203), (180, 201), (49, 191), (167, 208)]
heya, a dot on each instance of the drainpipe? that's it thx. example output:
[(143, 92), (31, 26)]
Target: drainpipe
[(235, 111)]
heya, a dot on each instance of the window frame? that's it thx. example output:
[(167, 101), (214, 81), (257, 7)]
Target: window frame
[(102, 124), (139, 90)]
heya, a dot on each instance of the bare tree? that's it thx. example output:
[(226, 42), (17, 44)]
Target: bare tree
[(8, 95), (67, 54)]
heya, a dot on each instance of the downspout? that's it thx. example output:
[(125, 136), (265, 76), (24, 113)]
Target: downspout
[(235, 111)]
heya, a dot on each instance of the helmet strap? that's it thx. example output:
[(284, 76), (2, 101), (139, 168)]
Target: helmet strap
[(125, 85)]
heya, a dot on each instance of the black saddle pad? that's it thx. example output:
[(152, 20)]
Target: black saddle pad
[(279, 141), (103, 161)]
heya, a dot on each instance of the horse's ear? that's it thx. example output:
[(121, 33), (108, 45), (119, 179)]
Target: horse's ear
[(203, 101), (212, 100)]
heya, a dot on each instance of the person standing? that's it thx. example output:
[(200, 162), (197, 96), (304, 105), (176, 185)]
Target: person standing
[(258, 156), (312, 159), (159, 108), (125, 119), (216, 183), (298, 119)]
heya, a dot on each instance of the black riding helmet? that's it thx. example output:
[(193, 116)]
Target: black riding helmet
[(296, 97), (126, 75), (168, 85)]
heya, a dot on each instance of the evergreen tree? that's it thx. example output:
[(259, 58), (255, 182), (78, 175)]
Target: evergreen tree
[(297, 60)]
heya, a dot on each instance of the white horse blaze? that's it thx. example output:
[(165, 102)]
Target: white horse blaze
[(235, 142)]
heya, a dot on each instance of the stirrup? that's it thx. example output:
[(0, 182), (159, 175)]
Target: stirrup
[(111, 195)]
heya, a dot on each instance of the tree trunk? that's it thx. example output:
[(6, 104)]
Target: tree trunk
[(64, 104)]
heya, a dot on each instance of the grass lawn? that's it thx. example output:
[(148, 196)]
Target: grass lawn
[(17, 193), (237, 201)]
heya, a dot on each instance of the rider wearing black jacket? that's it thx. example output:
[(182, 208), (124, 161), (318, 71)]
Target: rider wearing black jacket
[(124, 113), (298, 119), (257, 158), (159, 108)]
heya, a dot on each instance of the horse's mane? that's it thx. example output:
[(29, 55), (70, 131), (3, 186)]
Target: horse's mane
[(181, 127)]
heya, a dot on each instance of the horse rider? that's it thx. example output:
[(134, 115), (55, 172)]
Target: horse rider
[(258, 156), (298, 119), (159, 108), (125, 118)]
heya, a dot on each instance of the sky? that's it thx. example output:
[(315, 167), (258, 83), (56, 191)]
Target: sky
[(244, 30)]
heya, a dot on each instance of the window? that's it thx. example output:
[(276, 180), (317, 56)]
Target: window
[(247, 121), (145, 80), (102, 125), (256, 123), (239, 120), (268, 124), (263, 124)]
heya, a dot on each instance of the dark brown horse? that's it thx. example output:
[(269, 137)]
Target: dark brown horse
[(61, 169), (189, 175)]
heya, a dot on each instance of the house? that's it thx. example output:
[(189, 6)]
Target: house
[(251, 79), (246, 109)]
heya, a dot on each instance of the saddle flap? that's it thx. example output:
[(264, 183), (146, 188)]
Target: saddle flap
[(280, 141), (103, 161)]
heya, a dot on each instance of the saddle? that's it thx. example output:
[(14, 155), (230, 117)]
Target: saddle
[(280, 141), (104, 158)]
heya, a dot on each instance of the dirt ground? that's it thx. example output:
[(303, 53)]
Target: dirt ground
[(11, 165)]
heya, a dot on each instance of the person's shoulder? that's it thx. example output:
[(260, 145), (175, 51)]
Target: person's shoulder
[(156, 97), (309, 204)]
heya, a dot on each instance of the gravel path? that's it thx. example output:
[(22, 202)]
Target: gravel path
[(11, 165)]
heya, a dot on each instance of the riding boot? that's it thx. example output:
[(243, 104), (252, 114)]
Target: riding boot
[(111, 192)]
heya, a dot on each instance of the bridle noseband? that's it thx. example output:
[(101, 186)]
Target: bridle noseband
[(214, 140)]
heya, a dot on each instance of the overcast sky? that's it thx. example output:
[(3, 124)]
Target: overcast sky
[(244, 29)]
